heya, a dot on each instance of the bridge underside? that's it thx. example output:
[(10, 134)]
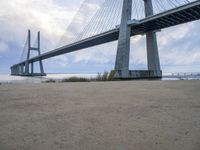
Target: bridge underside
[(183, 14), (180, 15)]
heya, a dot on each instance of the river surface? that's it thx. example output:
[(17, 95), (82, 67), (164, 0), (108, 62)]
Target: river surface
[(6, 78)]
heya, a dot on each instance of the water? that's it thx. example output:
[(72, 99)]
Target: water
[(5, 78)]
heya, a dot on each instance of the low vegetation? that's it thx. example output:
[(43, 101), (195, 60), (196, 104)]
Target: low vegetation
[(75, 79), (100, 77), (50, 81)]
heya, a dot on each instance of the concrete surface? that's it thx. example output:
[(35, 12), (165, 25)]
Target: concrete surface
[(130, 115)]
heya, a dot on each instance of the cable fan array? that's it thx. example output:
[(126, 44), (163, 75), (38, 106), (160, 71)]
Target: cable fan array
[(25, 50), (108, 16), (94, 18)]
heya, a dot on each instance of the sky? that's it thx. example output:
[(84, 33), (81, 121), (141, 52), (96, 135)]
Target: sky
[(179, 47)]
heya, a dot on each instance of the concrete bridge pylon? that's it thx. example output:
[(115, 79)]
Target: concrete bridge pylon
[(24, 69), (123, 48), (27, 63), (152, 46)]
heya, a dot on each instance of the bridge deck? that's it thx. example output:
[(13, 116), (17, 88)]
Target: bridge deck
[(180, 15), (176, 16)]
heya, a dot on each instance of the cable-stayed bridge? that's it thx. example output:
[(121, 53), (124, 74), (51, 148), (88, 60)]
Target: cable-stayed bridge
[(114, 21)]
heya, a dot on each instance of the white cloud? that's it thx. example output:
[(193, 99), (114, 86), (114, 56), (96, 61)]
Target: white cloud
[(175, 33), (3, 47), (138, 51), (17, 16), (62, 60), (45, 14), (177, 57), (177, 45)]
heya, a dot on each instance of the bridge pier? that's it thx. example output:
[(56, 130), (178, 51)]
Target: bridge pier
[(39, 53), (32, 68), (123, 50), (24, 69), (152, 47)]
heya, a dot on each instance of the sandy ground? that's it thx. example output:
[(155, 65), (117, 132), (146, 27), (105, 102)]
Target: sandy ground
[(130, 115)]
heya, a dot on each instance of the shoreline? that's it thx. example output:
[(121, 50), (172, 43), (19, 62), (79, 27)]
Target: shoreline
[(6, 79)]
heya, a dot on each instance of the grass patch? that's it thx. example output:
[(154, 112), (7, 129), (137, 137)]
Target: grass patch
[(50, 81), (100, 77), (103, 77), (75, 79)]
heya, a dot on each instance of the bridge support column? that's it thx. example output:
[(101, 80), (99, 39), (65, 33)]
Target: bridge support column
[(26, 73), (28, 63), (39, 53), (152, 47), (123, 49), (12, 71), (28, 54), (22, 69), (32, 68), (17, 69)]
